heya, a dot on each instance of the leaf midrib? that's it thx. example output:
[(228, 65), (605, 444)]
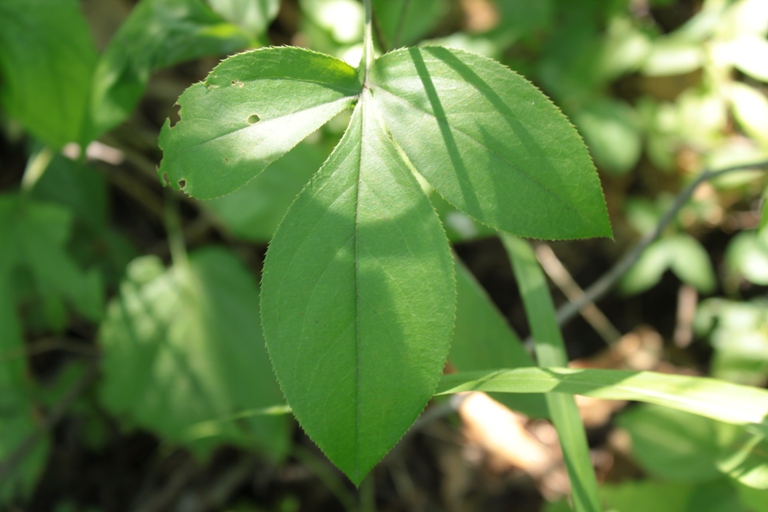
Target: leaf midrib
[(363, 103)]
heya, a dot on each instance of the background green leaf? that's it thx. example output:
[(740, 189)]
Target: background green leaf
[(671, 444), (718, 496), (34, 241), (254, 211), (184, 354), (612, 132), (157, 34), (738, 332), (17, 416), (747, 256), (46, 64), (679, 446)]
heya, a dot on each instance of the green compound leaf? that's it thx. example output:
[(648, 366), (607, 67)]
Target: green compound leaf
[(490, 143), (46, 65), (184, 354), (252, 109), (157, 34), (358, 299), (358, 295)]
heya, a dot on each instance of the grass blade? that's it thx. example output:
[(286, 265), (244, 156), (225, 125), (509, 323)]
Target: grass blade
[(716, 399), (550, 351)]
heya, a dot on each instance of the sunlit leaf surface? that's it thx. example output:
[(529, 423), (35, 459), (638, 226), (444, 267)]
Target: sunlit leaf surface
[(251, 110), (358, 299)]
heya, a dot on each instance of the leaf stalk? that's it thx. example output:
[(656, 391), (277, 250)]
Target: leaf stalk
[(367, 60)]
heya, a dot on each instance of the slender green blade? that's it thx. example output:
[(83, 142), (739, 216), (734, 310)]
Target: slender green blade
[(716, 399), (358, 299), (483, 340), (157, 34), (252, 109), (490, 143), (46, 62), (550, 351), (183, 354)]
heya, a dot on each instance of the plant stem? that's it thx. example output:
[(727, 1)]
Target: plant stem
[(176, 243), (600, 287), (367, 60)]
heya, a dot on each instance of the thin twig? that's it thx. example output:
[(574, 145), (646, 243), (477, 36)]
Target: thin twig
[(46, 345), (562, 278), (326, 475), (16, 458), (600, 287), (222, 489), (164, 498)]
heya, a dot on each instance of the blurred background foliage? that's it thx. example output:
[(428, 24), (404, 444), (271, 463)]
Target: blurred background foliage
[(132, 373)]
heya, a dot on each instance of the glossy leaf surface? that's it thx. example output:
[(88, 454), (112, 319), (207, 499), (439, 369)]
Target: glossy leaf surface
[(183, 354), (358, 299), (46, 63), (490, 143), (252, 109)]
